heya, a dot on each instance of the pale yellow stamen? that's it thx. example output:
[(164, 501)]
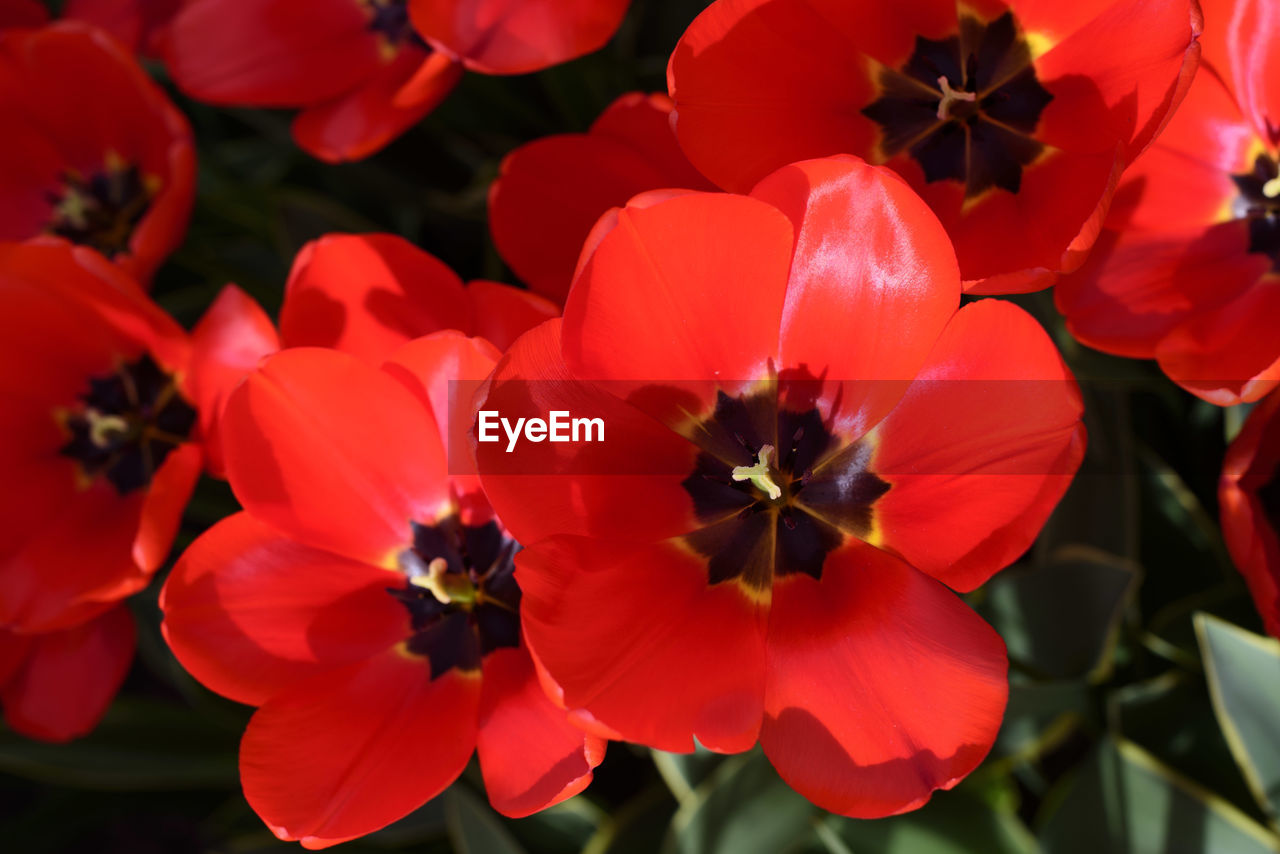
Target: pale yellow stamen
[(760, 475), (951, 96), (445, 587), (1271, 189), (105, 429)]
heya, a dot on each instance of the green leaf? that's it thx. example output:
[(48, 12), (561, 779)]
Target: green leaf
[(140, 745), (1124, 801), (567, 826), (1061, 620), (683, 772), (474, 828), (1039, 715), (1243, 670), (743, 808), (958, 822), (637, 827)]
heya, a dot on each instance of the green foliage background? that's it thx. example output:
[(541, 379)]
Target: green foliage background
[(1134, 725)]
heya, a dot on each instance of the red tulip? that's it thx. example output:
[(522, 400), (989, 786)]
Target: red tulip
[(1013, 120), (1187, 267), (551, 191), (102, 452), (806, 444), (1249, 502), (139, 25), (364, 601), (93, 151)]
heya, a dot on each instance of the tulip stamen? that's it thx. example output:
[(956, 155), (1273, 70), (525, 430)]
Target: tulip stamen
[(760, 474)]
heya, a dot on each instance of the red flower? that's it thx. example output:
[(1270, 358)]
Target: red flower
[(365, 294), (551, 191), (22, 13), (365, 602), (361, 72), (1012, 120), (56, 686), (516, 36), (804, 442), (100, 456), (1187, 267), (1249, 502), (138, 24), (92, 151)]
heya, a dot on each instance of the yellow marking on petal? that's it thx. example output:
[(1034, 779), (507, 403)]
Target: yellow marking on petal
[(1039, 44)]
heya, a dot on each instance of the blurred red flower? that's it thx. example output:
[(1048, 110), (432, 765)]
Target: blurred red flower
[(361, 71), (139, 25), (23, 13), (806, 445), (551, 191), (364, 294), (1188, 266), (93, 151), (57, 685), (1012, 120), (101, 435), (1249, 503), (365, 602)]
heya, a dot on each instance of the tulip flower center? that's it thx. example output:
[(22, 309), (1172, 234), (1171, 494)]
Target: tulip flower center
[(1259, 203), (460, 592), (775, 489), (102, 209), (390, 19), (965, 107), (128, 423)]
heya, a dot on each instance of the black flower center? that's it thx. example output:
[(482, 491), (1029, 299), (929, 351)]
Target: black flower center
[(390, 19), (1269, 498), (461, 593), (965, 107), (1259, 203), (102, 210), (776, 489), (130, 421)]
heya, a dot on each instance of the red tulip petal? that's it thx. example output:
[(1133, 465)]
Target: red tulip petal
[(689, 289), (1228, 355), (503, 313), (333, 452), (249, 612), (882, 686), (350, 751), (1251, 464), (231, 338), (69, 678), (270, 53), (530, 755), (167, 498), (553, 190), (77, 560), (637, 639), (627, 486), (866, 249), (980, 449), (445, 370), (23, 13), (367, 294), (1138, 58), (1241, 44), (517, 36), (1140, 284), (362, 121)]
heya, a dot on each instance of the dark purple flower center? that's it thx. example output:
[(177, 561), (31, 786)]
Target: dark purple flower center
[(128, 423), (1259, 203), (460, 592), (101, 210), (390, 19), (776, 489), (965, 107)]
